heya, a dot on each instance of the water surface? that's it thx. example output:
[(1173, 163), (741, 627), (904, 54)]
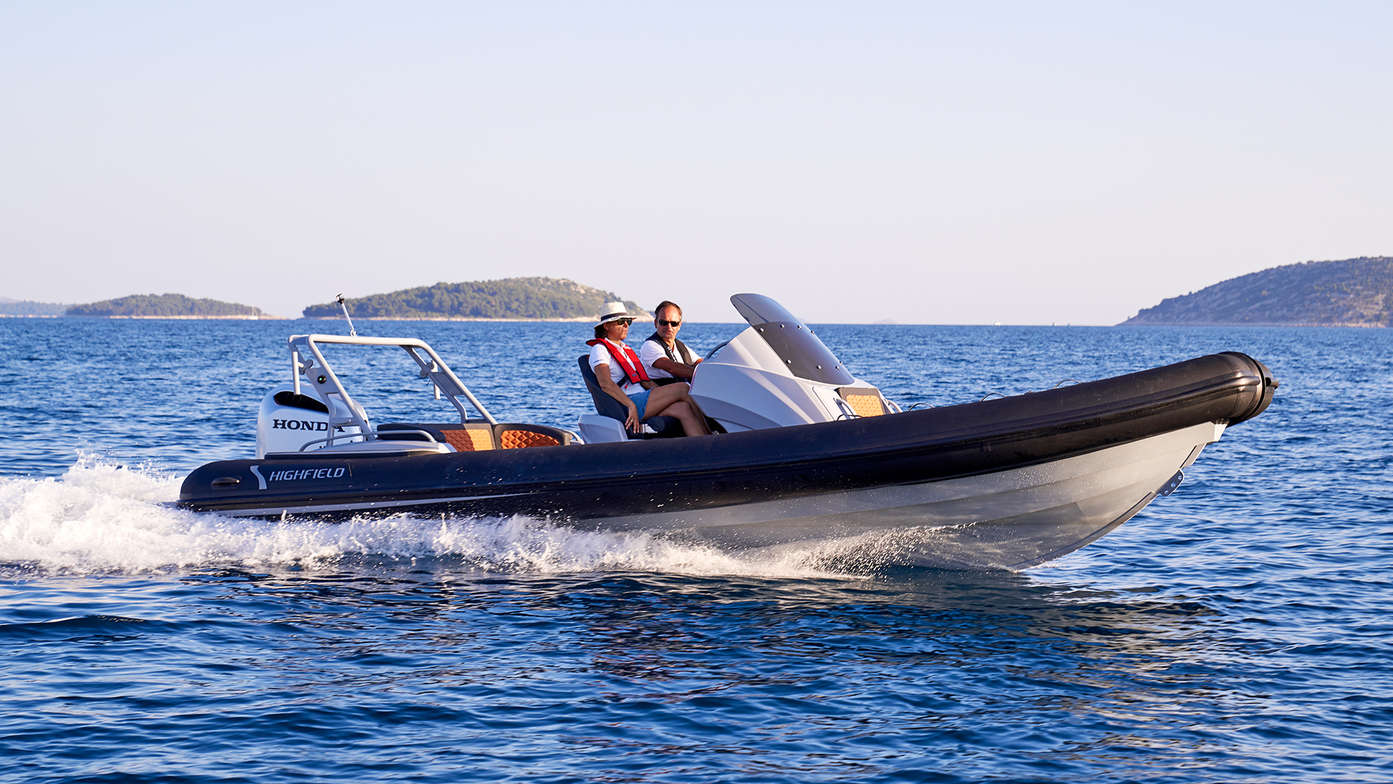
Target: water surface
[(1237, 630)]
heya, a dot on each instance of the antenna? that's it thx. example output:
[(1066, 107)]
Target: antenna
[(351, 331)]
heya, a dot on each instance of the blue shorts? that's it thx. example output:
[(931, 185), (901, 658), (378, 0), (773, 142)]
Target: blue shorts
[(640, 402)]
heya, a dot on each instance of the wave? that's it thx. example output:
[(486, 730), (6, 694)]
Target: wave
[(106, 518)]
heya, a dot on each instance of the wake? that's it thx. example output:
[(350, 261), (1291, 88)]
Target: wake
[(106, 518)]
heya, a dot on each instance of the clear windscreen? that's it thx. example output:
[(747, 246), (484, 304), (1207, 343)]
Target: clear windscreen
[(802, 352)]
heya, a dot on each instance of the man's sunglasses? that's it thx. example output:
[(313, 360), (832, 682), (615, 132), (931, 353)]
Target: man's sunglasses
[(666, 323)]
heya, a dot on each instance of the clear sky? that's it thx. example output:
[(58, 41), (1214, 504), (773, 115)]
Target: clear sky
[(916, 161)]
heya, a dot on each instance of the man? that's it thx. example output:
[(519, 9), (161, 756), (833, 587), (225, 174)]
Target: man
[(664, 356)]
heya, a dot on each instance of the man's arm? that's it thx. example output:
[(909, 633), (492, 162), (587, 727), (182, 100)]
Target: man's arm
[(654, 357), (677, 369)]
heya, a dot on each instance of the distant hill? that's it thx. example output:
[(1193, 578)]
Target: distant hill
[(508, 298), (24, 307), (165, 306), (1353, 292)]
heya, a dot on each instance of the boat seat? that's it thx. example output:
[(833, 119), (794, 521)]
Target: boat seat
[(509, 435), (479, 436), (865, 401), (663, 426)]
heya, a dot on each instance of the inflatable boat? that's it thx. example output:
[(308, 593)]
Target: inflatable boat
[(810, 453)]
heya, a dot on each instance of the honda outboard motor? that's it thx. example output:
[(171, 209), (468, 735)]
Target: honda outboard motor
[(288, 422), (778, 373)]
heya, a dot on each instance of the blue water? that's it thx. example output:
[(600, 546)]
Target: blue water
[(1239, 630)]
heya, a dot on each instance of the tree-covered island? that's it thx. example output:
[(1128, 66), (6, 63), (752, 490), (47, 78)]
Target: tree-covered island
[(165, 306), (1353, 293), (508, 298)]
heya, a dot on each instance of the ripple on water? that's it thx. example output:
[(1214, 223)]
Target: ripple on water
[(1237, 630)]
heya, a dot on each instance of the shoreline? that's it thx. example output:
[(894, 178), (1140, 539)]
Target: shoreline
[(182, 317), (517, 320), (588, 319), (578, 319)]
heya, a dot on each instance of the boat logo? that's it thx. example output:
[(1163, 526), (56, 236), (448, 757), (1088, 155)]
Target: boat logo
[(296, 475), (301, 424)]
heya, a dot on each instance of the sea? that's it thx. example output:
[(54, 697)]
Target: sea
[(1240, 629)]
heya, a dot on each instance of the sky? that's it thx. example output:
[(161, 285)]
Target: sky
[(942, 163)]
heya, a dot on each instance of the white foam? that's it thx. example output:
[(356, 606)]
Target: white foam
[(106, 518)]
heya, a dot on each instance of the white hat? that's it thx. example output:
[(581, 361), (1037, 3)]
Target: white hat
[(614, 311)]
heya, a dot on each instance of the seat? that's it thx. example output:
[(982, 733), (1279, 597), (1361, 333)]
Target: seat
[(477, 436), (513, 435), (662, 426), (865, 401), (473, 437)]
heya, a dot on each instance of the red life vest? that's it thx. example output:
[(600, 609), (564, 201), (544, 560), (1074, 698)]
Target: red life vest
[(627, 361)]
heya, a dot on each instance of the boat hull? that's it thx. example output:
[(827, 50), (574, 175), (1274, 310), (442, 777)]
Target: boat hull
[(1010, 519), (1002, 483)]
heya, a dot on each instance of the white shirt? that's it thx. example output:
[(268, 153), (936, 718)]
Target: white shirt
[(651, 351), (599, 355)]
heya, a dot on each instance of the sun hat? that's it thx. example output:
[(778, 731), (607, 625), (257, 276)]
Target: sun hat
[(614, 311)]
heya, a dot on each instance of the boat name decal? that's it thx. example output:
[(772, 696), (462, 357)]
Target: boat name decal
[(297, 474)]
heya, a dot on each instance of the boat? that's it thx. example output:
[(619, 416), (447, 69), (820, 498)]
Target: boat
[(810, 453)]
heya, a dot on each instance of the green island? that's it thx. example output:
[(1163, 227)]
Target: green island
[(1349, 293), (165, 306), (507, 298)]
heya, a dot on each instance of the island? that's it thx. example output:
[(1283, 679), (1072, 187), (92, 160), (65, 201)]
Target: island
[(24, 308), (552, 299), (166, 306), (1348, 293)]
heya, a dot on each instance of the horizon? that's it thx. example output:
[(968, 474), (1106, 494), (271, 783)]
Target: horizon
[(1012, 164), (264, 315)]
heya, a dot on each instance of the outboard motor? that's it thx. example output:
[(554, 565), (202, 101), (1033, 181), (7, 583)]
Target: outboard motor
[(778, 373), (288, 422)]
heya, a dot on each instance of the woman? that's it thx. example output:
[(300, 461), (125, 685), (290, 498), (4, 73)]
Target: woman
[(621, 376)]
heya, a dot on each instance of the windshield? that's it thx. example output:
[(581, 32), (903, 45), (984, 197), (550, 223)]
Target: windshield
[(803, 353)]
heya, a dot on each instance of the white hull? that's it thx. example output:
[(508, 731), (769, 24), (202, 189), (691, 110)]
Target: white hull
[(1003, 520)]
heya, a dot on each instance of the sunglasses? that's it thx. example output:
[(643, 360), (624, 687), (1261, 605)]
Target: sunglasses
[(666, 323)]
